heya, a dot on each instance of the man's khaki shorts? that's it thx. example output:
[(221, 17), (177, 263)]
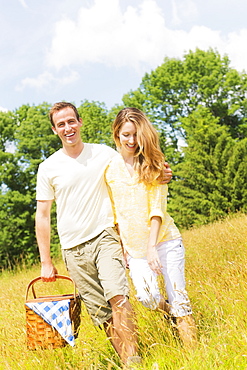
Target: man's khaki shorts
[(98, 271)]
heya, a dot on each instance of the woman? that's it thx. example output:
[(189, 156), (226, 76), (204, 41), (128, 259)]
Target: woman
[(151, 241)]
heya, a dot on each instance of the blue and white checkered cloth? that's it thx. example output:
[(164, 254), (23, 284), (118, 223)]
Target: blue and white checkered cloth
[(56, 314)]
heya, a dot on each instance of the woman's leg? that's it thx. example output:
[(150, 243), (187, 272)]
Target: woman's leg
[(172, 258), (171, 254), (145, 282), (187, 331)]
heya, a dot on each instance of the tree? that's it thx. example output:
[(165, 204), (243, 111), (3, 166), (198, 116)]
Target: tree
[(17, 241), (177, 87), (96, 123), (201, 192), (236, 176), (7, 124), (29, 137)]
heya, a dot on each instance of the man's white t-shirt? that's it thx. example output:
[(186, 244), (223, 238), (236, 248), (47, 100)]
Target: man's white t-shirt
[(78, 187)]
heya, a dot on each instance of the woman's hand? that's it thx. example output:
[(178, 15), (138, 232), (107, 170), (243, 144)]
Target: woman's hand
[(153, 260)]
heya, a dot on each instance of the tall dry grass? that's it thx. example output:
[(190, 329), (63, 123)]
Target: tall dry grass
[(216, 275)]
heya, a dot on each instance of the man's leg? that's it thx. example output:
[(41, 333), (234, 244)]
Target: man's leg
[(121, 328), (112, 335), (106, 276)]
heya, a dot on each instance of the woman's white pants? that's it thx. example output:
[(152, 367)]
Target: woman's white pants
[(171, 255)]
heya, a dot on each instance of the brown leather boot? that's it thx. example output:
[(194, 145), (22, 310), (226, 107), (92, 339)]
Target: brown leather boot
[(187, 331)]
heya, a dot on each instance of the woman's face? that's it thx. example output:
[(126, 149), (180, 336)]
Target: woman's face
[(128, 139)]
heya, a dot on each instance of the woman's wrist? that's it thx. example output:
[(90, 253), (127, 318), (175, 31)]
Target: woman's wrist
[(151, 246)]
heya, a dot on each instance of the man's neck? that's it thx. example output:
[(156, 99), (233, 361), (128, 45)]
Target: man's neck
[(73, 151)]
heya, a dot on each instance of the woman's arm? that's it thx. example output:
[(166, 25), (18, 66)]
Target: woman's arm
[(152, 254), (157, 198)]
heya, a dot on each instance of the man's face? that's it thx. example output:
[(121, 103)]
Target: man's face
[(67, 127)]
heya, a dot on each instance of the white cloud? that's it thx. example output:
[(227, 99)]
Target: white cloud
[(198, 36), (183, 9), (46, 79), (115, 39), (137, 38), (23, 3), (236, 49), (3, 110)]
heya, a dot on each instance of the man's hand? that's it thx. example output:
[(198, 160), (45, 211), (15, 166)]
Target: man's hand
[(167, 174), (48, 272)]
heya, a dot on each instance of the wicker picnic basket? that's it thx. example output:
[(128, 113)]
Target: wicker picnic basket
[(39, 333)]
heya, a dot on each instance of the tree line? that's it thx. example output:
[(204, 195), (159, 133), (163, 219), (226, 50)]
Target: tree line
[(198, 105)]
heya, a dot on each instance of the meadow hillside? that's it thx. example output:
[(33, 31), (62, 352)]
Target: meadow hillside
[(217, 284)]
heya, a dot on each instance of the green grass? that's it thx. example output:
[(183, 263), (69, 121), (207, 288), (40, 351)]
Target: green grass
[(216, 275)]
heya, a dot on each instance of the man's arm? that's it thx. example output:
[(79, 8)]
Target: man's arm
[(43, 232)]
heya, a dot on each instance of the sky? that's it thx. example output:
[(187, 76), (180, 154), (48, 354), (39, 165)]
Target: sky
[(99, 50)]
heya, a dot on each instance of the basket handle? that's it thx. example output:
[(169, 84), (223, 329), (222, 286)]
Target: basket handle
[(31, 284)]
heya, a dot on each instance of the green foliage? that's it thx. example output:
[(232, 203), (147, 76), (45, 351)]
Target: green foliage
[(199, 101), (201, 192), (29, 136), (35, 140), (177, 87), (7, 129), (96, 124), (17, 240), (236, 175)]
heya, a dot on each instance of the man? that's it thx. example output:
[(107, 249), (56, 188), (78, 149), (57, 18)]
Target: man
[(74, 177)]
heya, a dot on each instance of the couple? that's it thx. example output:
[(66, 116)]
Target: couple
[(80, 177)]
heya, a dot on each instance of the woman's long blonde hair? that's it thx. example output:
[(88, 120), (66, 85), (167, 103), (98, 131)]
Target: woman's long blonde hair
[(149, 160)]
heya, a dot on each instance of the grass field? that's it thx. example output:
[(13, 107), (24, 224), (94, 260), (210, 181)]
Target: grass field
[(216, 274)]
